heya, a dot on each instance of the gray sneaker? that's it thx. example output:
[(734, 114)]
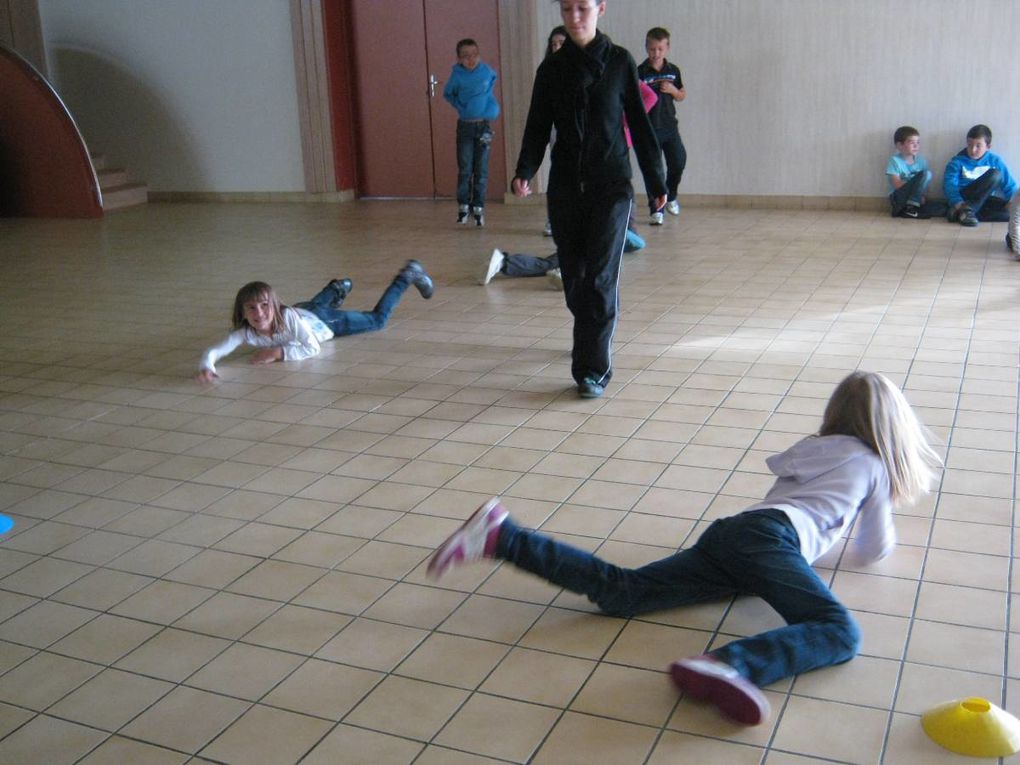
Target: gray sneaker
[(967, 217), (415, 274), (555, 279)]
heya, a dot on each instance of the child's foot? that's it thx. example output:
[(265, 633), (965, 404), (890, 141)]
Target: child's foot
[(673, 208), (555, 279), (967, 217), (492, 267), (479, 215), (462, 214), (589, 387), (415, 274), (475, 540), (655, 219), (343, 288), (634, 242), (708, 679), (911, 211)]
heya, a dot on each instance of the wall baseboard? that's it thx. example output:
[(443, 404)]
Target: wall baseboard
[(347, 195)]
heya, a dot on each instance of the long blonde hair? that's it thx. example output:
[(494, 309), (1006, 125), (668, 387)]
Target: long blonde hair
[(869, 406)]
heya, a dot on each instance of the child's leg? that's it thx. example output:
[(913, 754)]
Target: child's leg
[(356, 322), (676, 159), (480, 164), (324, 298), (465, 160), (910, 192), (684, 578), (761, 551), (977, 192), (590, 234), (529, 265)]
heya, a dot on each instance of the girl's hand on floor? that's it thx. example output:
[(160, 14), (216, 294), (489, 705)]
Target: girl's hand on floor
[(268, 356), (206, 376)]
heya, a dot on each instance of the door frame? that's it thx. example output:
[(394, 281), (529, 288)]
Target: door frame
[(329, 84)]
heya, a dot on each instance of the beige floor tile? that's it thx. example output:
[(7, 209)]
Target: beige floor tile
[(323, 689), (117, 750), (296, 629), (344, 592), (47, 739), (110, 699), (579, 738), (409, 708), (372, 644), (857, 738), (276, 580), (492, 619), (384, 559), (453, 660), (346, 743), (264, 735), (213, 568), (185, 719), (173, 654), (628, 694), (415, 606), (654, 646), (957, 647), (500, 728), (227, 615), (105, 639), (923, 686), (674, 747), (44, 679), (44, 623)]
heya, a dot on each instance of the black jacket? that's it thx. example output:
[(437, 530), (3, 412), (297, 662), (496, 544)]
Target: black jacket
[(585, 93)]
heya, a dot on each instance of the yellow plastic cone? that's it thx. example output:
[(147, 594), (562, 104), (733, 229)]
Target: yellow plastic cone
[(974, 727)]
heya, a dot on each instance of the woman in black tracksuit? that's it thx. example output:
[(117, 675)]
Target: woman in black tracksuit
[(585, 89)]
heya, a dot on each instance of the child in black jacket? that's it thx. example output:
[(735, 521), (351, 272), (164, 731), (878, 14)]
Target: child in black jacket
[(584, 90)]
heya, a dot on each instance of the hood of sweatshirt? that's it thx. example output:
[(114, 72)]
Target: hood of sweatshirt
[(816, 456)]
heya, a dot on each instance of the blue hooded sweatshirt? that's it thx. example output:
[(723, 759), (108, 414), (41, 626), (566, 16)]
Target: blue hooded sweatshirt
[(962, 171), (469, 91)]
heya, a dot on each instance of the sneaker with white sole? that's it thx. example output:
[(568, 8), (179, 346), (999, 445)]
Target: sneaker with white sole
[(475, 540), (655, 218), (479, 215), (554, 278), (707, 679), (492, 267), (673, 208), (463, 212), (547, 231)]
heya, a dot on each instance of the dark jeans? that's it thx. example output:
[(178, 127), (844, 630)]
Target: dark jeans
[(354, 322), (978, 195), (474, 139), (521, 264), (676, 160), (590, 228), (910, 192), (754, 553)]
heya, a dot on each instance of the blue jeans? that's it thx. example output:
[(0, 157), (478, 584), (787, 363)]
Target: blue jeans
[(474, 139), (910, 192), (354, 322), (754, 553)]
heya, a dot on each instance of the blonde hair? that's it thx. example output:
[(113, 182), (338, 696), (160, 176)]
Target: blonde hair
[(869, 406)]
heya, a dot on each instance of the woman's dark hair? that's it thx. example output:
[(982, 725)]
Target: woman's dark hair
[(560, 31)]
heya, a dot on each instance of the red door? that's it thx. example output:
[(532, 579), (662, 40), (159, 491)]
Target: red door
[(403, 53)]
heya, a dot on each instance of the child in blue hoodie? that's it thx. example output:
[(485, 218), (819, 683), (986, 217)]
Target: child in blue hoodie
[(977, 183), (469, 91), (871, 453)]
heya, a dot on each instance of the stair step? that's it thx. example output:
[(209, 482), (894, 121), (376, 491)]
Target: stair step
[(126, 195), (111, 177)]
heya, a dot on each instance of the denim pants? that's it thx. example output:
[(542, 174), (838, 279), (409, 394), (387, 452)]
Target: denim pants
[(978, 195), (529, 265), (754, 553), (590, 228), (474, 139), (910, 192), (354, 322)]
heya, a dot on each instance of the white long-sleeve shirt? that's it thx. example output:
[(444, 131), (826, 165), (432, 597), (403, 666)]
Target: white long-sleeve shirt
[(300, 337), (823, 484)]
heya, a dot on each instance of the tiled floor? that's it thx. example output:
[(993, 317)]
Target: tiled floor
[(234, 573)]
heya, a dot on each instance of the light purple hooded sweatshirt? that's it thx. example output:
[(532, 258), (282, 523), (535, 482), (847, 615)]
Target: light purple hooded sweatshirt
[(823, 483)]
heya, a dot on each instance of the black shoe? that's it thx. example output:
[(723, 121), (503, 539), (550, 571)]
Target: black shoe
[(589, 387), (967, 217), (415, 274), (343, 288), (911, 211)]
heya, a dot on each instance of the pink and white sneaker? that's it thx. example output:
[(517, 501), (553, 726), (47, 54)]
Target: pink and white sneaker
[(475, 540), (708, 679)]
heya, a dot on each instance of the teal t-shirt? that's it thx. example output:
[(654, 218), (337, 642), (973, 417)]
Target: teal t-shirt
[(900, 168)]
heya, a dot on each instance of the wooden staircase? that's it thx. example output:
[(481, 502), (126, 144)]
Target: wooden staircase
[(118, 191)]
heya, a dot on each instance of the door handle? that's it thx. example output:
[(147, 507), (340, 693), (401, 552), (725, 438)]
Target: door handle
[(432, 85)]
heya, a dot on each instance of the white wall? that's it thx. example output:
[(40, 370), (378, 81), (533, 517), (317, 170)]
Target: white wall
[(189, 95), (801, 97)]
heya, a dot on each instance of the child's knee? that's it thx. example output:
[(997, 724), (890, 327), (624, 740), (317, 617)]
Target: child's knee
[(849, 635)]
